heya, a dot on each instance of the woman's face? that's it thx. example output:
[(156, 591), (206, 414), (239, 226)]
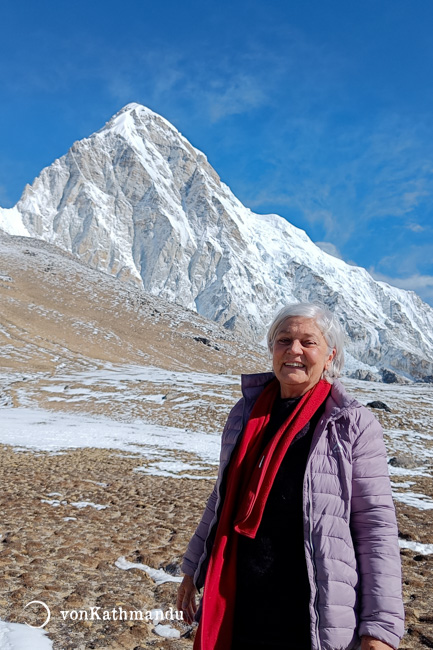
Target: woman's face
[(299, 356)]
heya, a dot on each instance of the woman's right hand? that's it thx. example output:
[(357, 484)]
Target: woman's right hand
[(186, 599)]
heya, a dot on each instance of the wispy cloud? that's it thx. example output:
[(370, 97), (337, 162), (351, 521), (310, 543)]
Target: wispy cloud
[(4, 197), (410, 270), (218, 81), (236, 96), (417, 259), (168, 77), (421, 284), (329, 248), (344, 183), (415, 227)]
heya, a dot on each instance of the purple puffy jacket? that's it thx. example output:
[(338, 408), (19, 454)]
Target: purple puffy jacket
[(350, 529)]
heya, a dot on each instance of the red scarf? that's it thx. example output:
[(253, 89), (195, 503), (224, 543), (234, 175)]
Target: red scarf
[(250, 477)]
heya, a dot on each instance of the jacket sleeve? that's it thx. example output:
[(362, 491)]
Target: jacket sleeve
[(375, 536), (197, 542), (196, 545)]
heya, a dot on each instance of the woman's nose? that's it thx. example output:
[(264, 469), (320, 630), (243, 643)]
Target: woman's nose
[(295, 347)]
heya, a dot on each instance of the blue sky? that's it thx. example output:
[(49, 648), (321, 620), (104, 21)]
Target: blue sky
[(318, 111)]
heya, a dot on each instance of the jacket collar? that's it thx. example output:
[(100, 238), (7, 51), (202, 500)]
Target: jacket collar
[(253, 384), (339, 401)]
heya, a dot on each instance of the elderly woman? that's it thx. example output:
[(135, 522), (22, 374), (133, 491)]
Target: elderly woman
[(297, 548)]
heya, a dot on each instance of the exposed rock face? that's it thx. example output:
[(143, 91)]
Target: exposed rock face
[(138, 201), (391, 377), (364, 375)]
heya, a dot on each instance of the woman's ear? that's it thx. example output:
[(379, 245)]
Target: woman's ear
[(330, 357)]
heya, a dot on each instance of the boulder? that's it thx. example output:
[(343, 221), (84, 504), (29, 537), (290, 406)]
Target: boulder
[(364, 375), (425, 380), (379, 405), (391, 377), (404, 460)]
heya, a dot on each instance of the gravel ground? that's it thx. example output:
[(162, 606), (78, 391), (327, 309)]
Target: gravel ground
[(70, 563)]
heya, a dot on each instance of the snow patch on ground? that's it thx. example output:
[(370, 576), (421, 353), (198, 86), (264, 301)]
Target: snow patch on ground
[(420, 501), (85, 504), (54, 432), (17, 636), (417, 547), (167, 631), (159, 576)]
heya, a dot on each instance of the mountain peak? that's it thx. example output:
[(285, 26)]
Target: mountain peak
[(139, 110), (133, 116)]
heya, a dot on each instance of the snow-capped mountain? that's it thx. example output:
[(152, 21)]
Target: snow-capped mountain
[(138, 201)]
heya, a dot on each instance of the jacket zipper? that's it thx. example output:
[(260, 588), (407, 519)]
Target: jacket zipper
[(310, 534), (316, 595)]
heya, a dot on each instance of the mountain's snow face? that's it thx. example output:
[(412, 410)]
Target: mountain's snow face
[(138, 201), (11, 221)]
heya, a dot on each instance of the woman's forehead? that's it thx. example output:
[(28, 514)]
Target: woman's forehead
[(301, 325)]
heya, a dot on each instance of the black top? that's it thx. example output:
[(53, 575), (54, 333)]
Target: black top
[(272, 590)]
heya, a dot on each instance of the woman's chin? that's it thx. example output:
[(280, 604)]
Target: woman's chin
[(294, 377)]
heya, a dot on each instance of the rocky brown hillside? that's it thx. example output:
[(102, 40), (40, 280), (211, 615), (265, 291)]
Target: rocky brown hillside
[(57, 311)]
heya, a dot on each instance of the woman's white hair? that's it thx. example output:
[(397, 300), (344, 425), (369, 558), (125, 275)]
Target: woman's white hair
[(327, 323)]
